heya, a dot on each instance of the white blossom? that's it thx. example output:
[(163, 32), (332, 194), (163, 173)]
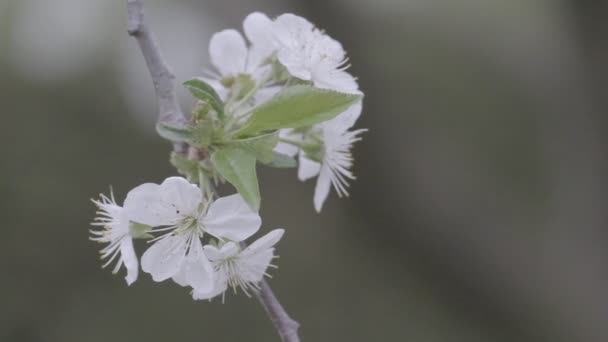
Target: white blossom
[(232, 56), (115, 232), (240, 268), (333, 162), (176, 206), (311, 55)]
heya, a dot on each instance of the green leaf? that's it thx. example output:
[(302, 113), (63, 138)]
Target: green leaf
[(261, 146), (238, 166), (204, 92), (174, 132), (282, 161), (298, 106)]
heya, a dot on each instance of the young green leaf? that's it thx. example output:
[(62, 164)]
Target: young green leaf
[(238, 166), (298, 106), (174, 132), (282, 161), (204, 92), (261, 146)]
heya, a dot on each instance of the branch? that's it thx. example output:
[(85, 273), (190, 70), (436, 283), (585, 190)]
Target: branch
[(286, 327), (162, 77), (169, 111)]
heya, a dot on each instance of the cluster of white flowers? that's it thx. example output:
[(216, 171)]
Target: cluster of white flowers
[(258, 105), (199, 241), (307, 54)]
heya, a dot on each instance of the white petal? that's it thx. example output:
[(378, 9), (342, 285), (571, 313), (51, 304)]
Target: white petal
[(199, 271), (228, 250), (165, 257), (231, 218), (228, 52), (291, 30), (337, 80), (307, 168), (129, 258), (258, 28), (292, 60), (162, 205), (220, 285), (254, 266), (180, 276), (346, 119), (265, 242), (322, 188)]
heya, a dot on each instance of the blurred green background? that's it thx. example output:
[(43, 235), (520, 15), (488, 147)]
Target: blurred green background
[(479, 213)]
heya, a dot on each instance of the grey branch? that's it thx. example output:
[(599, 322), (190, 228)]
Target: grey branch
[(162, 77), (169, 111), (287, 327)]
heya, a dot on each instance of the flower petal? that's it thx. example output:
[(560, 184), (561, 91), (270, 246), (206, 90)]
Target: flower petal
[(338, 80), (307, 168), (228, 52), (129, 258), (258, 28), (231, 218), (162, 205), (199, 271), (165, 257), (265, 242), (346, 119), (220, 285), (322, 188), (228, 250), (254, 266)]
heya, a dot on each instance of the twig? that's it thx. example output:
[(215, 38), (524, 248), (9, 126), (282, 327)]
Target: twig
[(287, 327), (162, 77), (169, 111)]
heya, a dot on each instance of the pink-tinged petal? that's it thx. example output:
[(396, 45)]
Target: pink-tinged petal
[(228, 52), (165, 257), (322, 188), (231, 218), (307, 168)]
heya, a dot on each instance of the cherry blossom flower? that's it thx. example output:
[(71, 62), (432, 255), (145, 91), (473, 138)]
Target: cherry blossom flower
[(240, 268), (325, 151), (176, 207), (311, 55), (115, 232)]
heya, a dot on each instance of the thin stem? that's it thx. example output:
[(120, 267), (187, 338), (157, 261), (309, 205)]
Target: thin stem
[(287, 327), (162, 77), (169, 111)]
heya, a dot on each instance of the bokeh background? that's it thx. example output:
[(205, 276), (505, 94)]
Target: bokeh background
[(479, 213)]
